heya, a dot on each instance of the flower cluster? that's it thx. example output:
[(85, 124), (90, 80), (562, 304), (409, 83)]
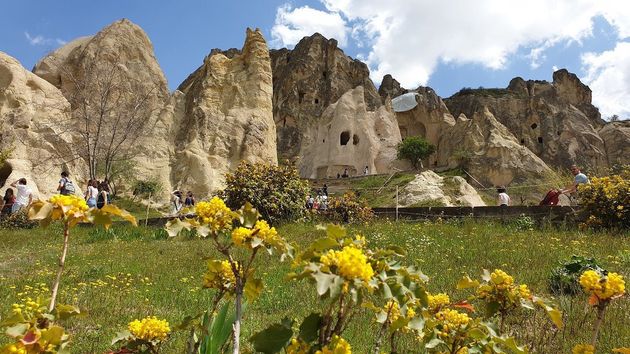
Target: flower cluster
[(150, 329), (215, 214), (583, 349), (438, 301), (604, 288), (501, 288), (298, 346), (450, 322), (338, 345), (29, 308), (351, 263), (70, 204), (606, 201), (393, 309), (243, 237), (219, 276)]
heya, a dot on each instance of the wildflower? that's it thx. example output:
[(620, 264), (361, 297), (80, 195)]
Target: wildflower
[(583, 349), (215, 214), (351, 263), (297, 346), (219, 276), (604, 288), (150, 329), (501, 279), (338, 345), (71, 205), (438, 300), (241, 235)]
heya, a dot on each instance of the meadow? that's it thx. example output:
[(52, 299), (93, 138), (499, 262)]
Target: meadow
[(126, 273)]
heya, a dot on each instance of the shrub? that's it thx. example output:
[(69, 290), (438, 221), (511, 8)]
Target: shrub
[(523, 223), (564, 278), (17, 220), (277, 192), (414, 149), (349, 208), (146, 188), (606, 201)]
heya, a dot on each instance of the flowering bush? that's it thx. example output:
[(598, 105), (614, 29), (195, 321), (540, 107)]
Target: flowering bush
[(143, 336), (606, 201), (602, 287), (277, 192), (565, 278), (349, 208)]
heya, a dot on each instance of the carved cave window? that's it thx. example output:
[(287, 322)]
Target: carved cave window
[(316, 100), (534, 126), (344, 138), (559, 133), (324, 74), (522, 141), (355, 139), (300, 97), (288, 58), (540, 140)]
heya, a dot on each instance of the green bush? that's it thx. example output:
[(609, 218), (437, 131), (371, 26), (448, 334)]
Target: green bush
[(523, 223), (349, 208), (277, 192), (606, 201), (17, 220), (415, 149), (146, 188), (564, 279)]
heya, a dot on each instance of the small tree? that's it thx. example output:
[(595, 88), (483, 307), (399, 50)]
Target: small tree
[(415, 149)]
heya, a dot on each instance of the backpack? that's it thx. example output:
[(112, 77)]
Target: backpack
[(68, 188)]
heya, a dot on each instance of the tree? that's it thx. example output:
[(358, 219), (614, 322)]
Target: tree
[(415, 149)]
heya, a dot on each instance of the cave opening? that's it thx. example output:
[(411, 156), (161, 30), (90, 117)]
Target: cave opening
[(355, 139), (344, 138)]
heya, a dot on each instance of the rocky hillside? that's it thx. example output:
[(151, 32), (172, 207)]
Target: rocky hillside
[(312, 105)]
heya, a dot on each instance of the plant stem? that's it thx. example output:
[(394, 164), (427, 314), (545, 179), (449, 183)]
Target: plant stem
[(62, 262), (237, 320), (601, 308)]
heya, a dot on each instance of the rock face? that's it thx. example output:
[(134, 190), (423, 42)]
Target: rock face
[(616, 136), (430, 189), (554, 120), (33, 114), (306, 80), (227, 117), (349, 137), (488, 151)]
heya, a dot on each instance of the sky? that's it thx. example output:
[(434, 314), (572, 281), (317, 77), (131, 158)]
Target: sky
[(447, 44)]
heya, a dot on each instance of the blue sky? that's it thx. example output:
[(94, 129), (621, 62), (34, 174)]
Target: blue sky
[(429, 43)]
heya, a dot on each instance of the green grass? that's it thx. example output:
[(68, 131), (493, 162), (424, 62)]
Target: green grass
[(159, 276), (370, 188)]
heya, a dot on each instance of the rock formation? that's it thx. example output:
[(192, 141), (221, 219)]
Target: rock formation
[(616, 137), (349, 137), (488, 151), (430, 189), (227, 117), (34, 114), (554, 120), (306, 80)]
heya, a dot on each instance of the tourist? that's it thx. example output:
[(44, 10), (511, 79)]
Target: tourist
[(323, 205), (345, 173), (7, 202), (310, 202), (325, 190), (365, 171), (176, 202), (579, 178), (65, 187), (103, 194), (503, 198), (92, 193), (24, 196), (190, 199)]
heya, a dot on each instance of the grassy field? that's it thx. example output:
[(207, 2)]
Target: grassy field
[(129, 273)]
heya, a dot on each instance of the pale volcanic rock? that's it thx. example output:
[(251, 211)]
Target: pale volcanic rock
[(554, 120), (349, 136), (306, 80), (492, 154), (616, 136), (227, 117), (33, 114), (430, 189)]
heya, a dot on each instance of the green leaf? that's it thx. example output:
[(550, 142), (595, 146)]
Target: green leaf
[(272, 339), (466, 283), (253, 288), (323, 282), (17, 330), (53, 335), (116, 211), (476, 334), (433, 343), (492, 308), (248, 215), (324, 243), (416, 323), (175, 226), (40, 210), (335, 231), (556, 317), (121, 336), (309, 328), (397, 249), (66, 311)]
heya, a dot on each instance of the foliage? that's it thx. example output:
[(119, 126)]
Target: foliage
[(564, 278), (523, 223), (17, 220), (144, 188), (277, 192), (606, 201), (5, 154), (415, 149), (228, 231), (211, 334), (33, 329), (143, 336), (349, 208)]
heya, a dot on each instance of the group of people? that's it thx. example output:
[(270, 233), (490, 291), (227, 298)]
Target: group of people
[(318, 201), (96, 195), (178, 202), (553, 196), (13, 202)]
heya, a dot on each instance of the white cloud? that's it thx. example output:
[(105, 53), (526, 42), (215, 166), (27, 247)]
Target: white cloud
[(294, 23), (41, 40), (409, 38), (608, 75)]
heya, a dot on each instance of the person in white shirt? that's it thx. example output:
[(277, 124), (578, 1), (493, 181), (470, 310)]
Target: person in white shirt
[(92, 193), (24, 196), (503, 198)]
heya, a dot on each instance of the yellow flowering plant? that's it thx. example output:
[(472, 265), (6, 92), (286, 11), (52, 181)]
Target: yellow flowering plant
[(143, 336), (501, 296), (606, 201), (602, 287), (231, 232), (72, 210), (33, 329)]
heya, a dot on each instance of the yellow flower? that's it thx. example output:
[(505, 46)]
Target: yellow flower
[(501, 279), (604, 288), (523, 291), (351, 263), (150, 329), (241, 235), (338, 345), (452, 319), (70, 205), (219, 276), (215, 214), (438, 300), (583, 349), (298, 347)]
